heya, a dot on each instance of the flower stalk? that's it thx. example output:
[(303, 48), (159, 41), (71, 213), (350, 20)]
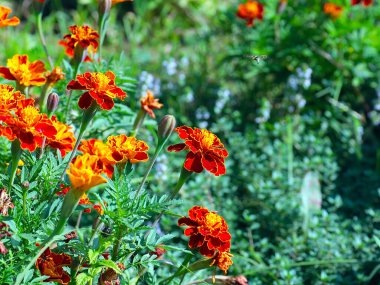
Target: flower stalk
[(16, 155)]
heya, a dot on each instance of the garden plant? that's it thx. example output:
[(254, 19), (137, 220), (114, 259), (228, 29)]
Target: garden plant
[(189, 142)]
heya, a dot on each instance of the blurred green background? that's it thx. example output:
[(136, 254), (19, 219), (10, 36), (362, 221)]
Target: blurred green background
[(301, 194)]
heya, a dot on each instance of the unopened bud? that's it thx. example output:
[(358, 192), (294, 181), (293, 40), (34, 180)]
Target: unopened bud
[(26, 184), (52, 102), (165, 128), (104, 6)]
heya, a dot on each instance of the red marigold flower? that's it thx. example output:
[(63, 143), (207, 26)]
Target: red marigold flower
[(365, 2), (222, 260), (81, 36), (148, 103), (64, 139), (250, 11), (333, 10), (206, 151), (29, 126), (85, 201), (125, 149), (99, 209), (4, 13), (51, 264), (207, 230), (10, 99), (100, 87), (101, 150), (24, 72)]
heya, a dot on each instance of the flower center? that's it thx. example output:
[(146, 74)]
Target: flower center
[(253, 8), (101, 80), (207, 139), (213, 221), (30, 115)]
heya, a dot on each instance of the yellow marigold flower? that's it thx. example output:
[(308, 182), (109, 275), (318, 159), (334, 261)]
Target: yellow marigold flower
[(84, 172), (4, 13), (24, 72), (148, 103), (125, 149)]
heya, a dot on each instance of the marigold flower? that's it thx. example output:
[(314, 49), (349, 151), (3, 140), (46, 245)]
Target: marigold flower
[(9, 98), (29, 126), (99, 209), (64, 140), (52, 77), (207, 230), (84, 172), (250, 11), (101, 150), (100, 87), (125, 149), (4, 13), (84, 200), (51, 264), (24, 72), (222, 260), (109, 277), (206, 151), (333, 10), (81, 36), (64, 189), (364, 2), (5, 202), (148, 103)]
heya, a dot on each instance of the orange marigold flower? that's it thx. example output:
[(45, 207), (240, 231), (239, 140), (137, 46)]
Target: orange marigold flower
[(333, 10), (101, 150), (365, 2), (51, 264), (24, 72), (250, 11), (4, 13), (206, 151), (10, 99), (29, 126), (148, 103), (99, 209), (54, 76), (64, 140), (207, 230), (84, 172), (125, 149), (222, 260), (100, 87), (81, 36)]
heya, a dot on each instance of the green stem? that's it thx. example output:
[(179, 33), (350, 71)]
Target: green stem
[(16, 152), (24, 198), (138, 122), (116, 244), (289, 142), (77, 62), (43, 98), (41, 34)]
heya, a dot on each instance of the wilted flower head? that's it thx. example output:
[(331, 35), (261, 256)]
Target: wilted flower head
[(364, 2), (206, 151), (84, 172), (333, 10), (207, 230), (149, 103), (5, 202), (100, 87), (4, 21), (54, 76), (83, 37), (250, 11), (51, 264), (124, 149), (109, 277), (24, 72)]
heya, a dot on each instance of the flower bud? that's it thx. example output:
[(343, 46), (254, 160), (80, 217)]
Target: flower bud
[(165, 128), (104, 6), (25, 184), (52, 102)]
